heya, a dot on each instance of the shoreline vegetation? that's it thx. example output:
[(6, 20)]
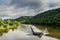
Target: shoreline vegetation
[(5, 26)]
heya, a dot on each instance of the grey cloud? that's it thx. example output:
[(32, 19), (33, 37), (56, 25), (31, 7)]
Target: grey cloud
[(54, 3), (18, 8), (32, 7), (24, 3), (4, 2)]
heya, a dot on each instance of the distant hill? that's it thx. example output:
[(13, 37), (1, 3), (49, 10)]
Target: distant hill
[(50, 17)]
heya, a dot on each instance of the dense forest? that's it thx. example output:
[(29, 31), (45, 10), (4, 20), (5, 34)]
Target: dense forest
[(50, 17)]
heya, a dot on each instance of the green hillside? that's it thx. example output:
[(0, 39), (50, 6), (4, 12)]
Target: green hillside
[(50, 17)]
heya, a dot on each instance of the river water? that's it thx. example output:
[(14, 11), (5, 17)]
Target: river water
[(22, 35)]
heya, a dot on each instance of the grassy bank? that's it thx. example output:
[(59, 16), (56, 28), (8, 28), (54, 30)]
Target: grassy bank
[(53, 32)]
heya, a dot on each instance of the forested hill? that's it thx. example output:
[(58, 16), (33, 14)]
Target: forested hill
[(50, 17)]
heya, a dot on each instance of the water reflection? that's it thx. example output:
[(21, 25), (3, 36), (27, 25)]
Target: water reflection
[(20, 35)]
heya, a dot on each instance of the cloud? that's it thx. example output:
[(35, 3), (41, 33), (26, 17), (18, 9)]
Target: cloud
[(18, 8), (54, 3), (25, 3), (4, 2), (31, 4)]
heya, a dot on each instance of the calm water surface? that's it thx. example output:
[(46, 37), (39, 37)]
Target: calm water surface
[(21, 35)]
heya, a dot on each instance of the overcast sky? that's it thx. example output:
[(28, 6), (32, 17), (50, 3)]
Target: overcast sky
[(18, 8)]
